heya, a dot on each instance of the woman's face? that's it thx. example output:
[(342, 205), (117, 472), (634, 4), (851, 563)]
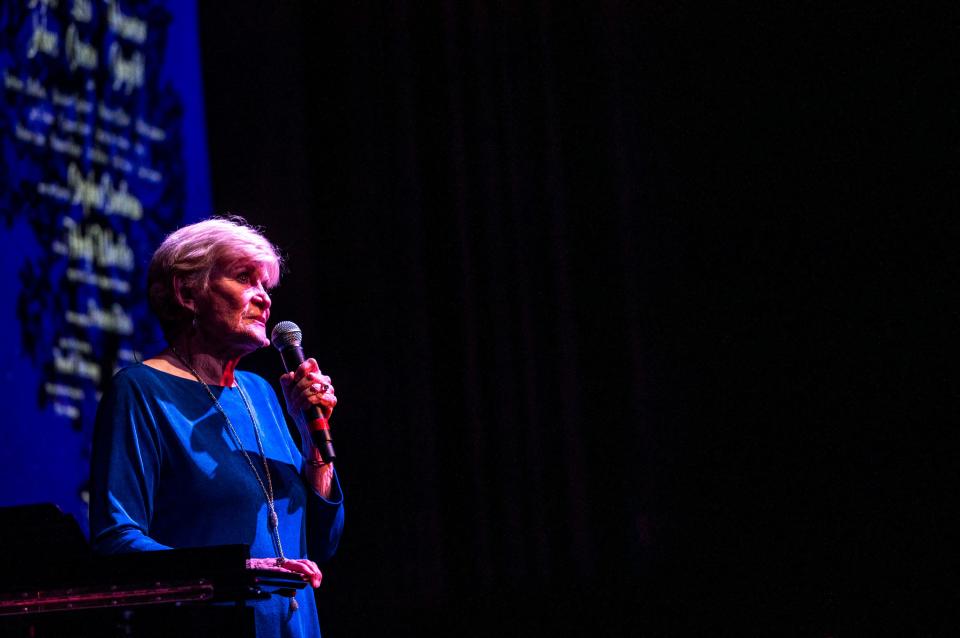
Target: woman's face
[(235, 307)]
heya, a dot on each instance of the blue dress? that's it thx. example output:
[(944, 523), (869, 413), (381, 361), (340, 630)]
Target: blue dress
[(166, 473)]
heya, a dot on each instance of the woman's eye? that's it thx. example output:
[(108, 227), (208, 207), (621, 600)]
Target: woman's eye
[(243, 278)]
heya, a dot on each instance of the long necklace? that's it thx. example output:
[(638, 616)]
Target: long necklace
[(272, 519)]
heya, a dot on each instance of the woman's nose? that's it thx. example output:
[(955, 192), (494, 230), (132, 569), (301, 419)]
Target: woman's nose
[(263, 297)]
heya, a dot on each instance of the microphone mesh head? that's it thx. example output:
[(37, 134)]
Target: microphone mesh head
[(285, 334)]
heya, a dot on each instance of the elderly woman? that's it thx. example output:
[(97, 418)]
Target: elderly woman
[(189, 451)]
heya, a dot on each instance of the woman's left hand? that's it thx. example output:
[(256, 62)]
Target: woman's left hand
[(304, 388)]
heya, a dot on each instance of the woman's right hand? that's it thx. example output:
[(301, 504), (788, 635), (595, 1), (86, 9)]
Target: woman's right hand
[(307, 569)]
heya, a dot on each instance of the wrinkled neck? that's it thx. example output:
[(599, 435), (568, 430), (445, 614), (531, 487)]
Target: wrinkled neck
[(212, 366)]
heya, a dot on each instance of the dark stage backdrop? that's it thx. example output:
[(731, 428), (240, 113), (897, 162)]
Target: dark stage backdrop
[(608, 294), (509, 245), (102, 152)]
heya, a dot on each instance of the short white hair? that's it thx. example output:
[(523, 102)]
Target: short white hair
[(191, 254)]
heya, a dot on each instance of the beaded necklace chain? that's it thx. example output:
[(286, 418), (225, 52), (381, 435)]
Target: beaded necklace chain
[(272, 520)]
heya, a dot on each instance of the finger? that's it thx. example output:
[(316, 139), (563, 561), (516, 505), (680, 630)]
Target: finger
[(294, 565), (267, 563), (317, 397), (309, 396), (308, 568), (313, 389), (318, 387), (319, 390), (309, 379), (308, 366), (315, 574)]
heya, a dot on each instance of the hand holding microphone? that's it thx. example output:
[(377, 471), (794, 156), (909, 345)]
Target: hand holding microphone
[(309, 394)]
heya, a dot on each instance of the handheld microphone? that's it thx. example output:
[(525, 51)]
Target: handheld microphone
[(286, 337)]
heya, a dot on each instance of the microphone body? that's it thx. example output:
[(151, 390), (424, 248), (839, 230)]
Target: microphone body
[(286, 338)]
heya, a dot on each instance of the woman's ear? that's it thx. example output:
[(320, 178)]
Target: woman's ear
[(184, 294)]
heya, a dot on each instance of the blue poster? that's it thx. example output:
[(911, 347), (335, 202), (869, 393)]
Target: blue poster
[(102, 153)]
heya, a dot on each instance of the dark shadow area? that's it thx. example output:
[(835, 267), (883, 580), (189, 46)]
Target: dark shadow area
[(614, 301)]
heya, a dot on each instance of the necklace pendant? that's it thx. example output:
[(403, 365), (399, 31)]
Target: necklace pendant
[(272, 520), (293, 604)]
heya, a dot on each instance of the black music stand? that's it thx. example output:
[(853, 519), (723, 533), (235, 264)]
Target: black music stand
[(52, 586)]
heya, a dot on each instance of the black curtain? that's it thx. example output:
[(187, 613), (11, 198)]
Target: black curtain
[(593, 284)]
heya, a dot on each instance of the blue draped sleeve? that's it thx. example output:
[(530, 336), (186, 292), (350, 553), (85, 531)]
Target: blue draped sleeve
[(125, 467)]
